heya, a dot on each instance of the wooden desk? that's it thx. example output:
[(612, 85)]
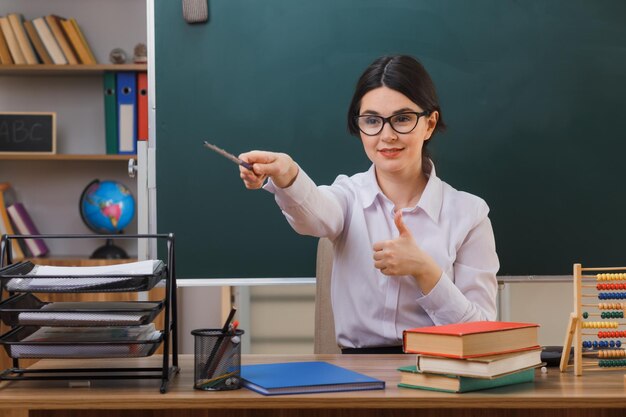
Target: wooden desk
[(598, 394)]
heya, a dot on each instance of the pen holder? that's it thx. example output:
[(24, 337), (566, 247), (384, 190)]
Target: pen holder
[(217, 359)]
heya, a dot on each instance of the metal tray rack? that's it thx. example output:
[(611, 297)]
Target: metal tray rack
[(26, 315)]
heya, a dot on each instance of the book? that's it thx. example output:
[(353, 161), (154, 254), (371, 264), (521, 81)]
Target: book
[(49, 41), (35, 39), (5, 54), (92, 57), (25, 226), (481, 367), (411, 378), (304, 378), (16, 20), (9, 36), (464, 340), (110, 112), (6, 228), (81, 49), (54, 22)]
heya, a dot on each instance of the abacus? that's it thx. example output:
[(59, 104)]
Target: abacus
[(596, 349)]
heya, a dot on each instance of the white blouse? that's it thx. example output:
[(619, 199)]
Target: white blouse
[(372, 309)]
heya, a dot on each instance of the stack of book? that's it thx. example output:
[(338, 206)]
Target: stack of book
[(14, 219), (471, 356), (48, 39)]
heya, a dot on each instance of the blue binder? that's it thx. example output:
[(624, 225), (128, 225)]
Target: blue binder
[(304, 377), (127, 112)]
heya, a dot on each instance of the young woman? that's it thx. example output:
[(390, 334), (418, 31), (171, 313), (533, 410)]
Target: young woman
[(409, 250)]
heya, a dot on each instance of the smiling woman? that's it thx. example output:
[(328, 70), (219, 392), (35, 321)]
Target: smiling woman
[(409, 250)]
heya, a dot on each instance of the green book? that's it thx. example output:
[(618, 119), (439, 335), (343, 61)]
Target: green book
[(412, 378), (110, 113)]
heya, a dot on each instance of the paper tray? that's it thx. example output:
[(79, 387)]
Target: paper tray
[(16, 348), (16, 278), (27, 310)]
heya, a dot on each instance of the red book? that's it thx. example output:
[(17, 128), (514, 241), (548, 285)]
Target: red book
[(25, 226), (142, 106), (472, 339)]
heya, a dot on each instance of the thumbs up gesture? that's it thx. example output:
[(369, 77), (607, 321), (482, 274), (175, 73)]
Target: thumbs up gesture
[(402, 256)]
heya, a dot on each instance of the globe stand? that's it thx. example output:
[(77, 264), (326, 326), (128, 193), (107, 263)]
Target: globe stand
[(109, 251)]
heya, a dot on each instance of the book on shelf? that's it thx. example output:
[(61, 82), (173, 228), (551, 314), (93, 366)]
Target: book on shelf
[(49, 41), (5, 54), (83, 39), (471, 339), (9, 35), (16, 20), (24, 226), (410, 377), (35, 39), (491, 366), (6, 228), (54, 22), (81, 49), (304, 378)]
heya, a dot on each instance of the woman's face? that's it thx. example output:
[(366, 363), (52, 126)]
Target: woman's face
[(390, 151)]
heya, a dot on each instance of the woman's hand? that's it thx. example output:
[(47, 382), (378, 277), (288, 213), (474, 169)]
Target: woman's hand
[(278, 166), (402, 256)]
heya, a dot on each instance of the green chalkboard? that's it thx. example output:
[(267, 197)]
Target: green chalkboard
[(533, 92)]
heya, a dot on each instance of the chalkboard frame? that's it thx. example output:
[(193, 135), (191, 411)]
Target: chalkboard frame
[(51, 136)]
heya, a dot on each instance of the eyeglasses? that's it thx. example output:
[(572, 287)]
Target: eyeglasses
[(372, 125)]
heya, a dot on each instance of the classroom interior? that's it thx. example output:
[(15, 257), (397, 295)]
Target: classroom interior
[(278, 317)]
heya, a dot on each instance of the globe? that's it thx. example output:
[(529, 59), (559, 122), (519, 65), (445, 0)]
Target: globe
[(107, 207)]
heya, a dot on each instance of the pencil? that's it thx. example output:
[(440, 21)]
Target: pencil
[(228, 156)]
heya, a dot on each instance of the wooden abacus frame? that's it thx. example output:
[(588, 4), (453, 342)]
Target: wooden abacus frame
[(575, 326)]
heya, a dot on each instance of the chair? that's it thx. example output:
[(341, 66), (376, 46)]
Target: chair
[(325, 341)]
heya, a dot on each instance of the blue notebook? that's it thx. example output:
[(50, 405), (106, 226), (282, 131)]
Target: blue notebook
[(304, 378)]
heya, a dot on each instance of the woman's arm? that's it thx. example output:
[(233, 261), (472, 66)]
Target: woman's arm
[(310, 210), (472, 295)]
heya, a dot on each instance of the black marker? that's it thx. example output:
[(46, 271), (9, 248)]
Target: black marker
[(228, 155)]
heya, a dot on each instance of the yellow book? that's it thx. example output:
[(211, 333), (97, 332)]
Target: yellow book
[(9, 35), (75, 41), (83, 40), (54, 22), (41, 50), (5, 223), (16, 20), (5, 54)]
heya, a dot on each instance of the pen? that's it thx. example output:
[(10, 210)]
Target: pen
[(218, 350), (229, 156)]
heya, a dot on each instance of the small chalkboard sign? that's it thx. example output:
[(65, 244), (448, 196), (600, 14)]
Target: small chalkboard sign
[(28, 132)]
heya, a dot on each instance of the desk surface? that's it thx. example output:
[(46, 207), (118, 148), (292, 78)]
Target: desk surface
[(551, 390)]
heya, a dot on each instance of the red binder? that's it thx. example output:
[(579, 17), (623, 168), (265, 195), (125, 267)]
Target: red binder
[(142, 106)]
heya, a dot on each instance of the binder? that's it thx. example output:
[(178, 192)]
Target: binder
[(127, 112), (110, 113), (142, 106), (304, 378)]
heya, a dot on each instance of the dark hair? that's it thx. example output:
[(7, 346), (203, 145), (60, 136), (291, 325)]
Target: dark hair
[(405, 75)]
